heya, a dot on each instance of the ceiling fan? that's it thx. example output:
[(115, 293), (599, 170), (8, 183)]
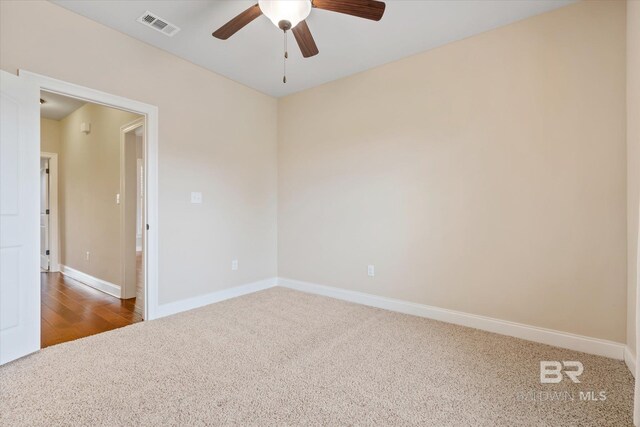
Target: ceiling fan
[(291, 15)]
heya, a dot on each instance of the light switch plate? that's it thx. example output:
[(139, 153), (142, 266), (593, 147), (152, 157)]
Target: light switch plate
[(371, 270), (196, 197)]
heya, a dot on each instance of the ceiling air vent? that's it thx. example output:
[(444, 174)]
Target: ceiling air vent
[(158, 24)]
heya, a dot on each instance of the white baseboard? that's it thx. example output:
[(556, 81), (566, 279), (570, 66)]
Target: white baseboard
[(566, 340), (94, 282), (202, 300), (551, 337), (630, 360)]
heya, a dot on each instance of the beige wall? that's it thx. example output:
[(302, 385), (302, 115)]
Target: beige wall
[(633, 161), (49, 135), (89, 179), (216, 136), (486, 176)]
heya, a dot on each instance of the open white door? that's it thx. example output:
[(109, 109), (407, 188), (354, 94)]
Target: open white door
[(44, 214), (19, 222)]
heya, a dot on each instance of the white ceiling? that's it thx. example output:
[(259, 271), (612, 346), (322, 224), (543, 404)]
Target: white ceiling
[(57, 107), (348, 45)]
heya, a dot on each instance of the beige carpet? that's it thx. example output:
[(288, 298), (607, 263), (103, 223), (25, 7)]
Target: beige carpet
[(281, 357)]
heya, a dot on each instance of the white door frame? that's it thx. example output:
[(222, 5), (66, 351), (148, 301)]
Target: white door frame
[(151, 158), (125, 289), (54, 239)]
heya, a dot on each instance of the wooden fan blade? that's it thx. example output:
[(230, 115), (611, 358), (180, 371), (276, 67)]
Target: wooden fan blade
[(368, 9), (305, 40), (237, 23)]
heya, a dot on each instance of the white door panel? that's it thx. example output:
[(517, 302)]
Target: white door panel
[(19, 197)]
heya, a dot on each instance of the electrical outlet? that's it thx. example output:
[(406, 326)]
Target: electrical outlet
[(196, 197), (234, 264), (88, 256), (118, 199), (371, 270)]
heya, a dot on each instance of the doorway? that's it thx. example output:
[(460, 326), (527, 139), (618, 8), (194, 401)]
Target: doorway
[(97, 282), (49, 240)]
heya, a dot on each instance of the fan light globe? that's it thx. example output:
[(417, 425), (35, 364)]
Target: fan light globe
[(293, 11)]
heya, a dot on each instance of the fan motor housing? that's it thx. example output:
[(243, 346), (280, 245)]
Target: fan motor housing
[(284, 25)]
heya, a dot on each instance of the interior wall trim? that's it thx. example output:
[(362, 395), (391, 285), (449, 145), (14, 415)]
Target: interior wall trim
[(552, 337), (150, 112), (89, 280), (630, 360), (195, 302)]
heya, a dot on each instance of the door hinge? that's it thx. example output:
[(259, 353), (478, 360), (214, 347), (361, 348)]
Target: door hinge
[(47, 170), (147, 226), (47, 212), (47, 252)]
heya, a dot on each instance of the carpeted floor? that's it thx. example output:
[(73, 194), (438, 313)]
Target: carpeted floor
[(281, 357)]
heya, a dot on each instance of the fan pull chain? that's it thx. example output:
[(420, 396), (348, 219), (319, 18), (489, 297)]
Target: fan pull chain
[(286, 55)]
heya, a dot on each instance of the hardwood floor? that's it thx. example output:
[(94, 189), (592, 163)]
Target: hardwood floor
[(71, 310)]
